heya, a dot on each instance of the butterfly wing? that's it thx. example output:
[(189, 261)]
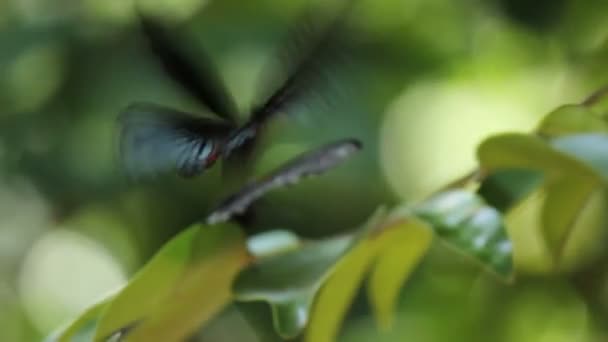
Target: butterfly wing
[(304, 63), (201, 80), (312, 163), (156, 139), (302, 71)]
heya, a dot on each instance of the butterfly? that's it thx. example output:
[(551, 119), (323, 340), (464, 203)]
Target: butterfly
[(158, 139)]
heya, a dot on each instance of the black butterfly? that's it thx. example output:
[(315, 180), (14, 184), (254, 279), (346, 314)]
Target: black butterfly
[(156, 139)]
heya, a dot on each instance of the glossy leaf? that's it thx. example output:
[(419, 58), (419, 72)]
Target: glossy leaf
[(288, 281), (462, 219), (171, 296)]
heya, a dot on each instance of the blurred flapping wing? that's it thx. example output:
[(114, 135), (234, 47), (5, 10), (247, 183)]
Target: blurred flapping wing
[(201, 79), (156, 139)]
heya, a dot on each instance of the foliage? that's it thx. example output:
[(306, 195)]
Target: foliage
[(553, 182)]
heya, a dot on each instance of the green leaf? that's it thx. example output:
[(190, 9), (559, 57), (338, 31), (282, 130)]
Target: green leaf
[(185, 284), (390, 251), (407, 243), (289, 281), (598, 102), (571, 119), (149, 286), (338, 291), (83, 327), (462, 219), (570, 201), (505, 188), (530, 251), (514, 150)]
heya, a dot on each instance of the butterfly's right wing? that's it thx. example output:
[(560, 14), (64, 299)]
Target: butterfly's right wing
[(155, 139), (304, 63), (200, 79)]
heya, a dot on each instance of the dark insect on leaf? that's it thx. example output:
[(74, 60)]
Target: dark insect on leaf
[(201, 80), (156, 139), (311, 163)]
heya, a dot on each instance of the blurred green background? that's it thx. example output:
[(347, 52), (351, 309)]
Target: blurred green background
[(432, 79)]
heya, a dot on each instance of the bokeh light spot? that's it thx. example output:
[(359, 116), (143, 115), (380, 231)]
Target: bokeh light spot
[(34, 76), (64, 273), (430, 134)]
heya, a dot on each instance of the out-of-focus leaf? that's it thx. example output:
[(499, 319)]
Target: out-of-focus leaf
[(391, 251), (272, 242), (462, 219), (149, 286), (514, 150), (504, 188), (588, 148), (279, 277), (289, 281), (184, 285), (571, 119), (406, 244), (530, 251), (338, 291), (83, 327), (290, 317), (598, 102), (571, 200)]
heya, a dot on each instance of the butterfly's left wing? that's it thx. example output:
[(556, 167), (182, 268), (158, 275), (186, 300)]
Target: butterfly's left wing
[(306, 57), (155, 139), (307, 164)]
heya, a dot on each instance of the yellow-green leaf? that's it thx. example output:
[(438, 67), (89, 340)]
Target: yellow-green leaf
[(407, 243), (182, 286), (571, 119), (570, 201), (336, 294), (379, 244)]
